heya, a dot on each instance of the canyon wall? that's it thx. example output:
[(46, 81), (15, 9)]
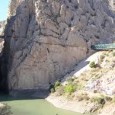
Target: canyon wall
[(45, 39), (3, 79)]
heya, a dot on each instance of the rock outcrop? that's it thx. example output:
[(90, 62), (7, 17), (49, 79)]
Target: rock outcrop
[(3, 80), (45, 39), (2, 27), (4, 109)]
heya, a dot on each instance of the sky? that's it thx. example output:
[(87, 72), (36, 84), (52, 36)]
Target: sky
[(3, 9)]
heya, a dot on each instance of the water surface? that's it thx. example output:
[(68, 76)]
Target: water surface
[(35, 107)]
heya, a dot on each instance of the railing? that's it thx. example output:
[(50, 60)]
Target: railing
[(103, 46)]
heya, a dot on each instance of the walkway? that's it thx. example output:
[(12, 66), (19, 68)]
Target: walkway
[(103, 46)]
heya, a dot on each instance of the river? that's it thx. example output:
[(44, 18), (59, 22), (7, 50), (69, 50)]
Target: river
[(34, 107)]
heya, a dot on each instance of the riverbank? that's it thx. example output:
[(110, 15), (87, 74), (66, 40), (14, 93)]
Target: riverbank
[(81, 106), (4, 109), (63, 103), (33, 107), (90, 86)]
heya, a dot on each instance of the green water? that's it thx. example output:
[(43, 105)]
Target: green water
[(35, 107)]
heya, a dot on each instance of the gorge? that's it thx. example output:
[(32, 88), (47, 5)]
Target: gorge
[(43, 40)]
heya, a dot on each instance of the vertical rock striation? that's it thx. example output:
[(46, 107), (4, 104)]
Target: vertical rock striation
[(45, 39)]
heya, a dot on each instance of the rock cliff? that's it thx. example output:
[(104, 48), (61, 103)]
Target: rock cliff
[(45, 39), (3, 80), (2, 27)]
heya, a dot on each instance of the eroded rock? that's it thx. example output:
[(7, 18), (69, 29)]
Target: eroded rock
[(47, 38)]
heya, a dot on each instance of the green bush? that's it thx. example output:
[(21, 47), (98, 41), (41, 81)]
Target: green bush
[(52, 90), (70, 80), (98, 100), (56, 84), (69, 88), (107, 98), (92, 64)]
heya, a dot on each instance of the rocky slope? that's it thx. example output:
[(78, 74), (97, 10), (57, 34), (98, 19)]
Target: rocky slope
[(90, 88), (5, 109), (45, 39)]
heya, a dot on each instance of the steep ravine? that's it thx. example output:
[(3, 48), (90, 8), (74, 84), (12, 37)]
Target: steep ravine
[(44, 40)]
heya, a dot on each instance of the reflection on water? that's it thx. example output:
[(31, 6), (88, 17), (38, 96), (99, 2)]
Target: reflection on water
[(34, 107)]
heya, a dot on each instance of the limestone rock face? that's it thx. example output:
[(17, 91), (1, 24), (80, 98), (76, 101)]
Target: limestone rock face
[(2, 27), (47, 38), (13, 6)]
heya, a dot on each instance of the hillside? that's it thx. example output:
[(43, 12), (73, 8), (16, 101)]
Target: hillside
[(91, 83)]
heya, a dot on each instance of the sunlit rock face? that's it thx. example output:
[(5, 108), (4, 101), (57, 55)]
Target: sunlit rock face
[(112, 4), (2, 27), (13, 6), (47, 38)]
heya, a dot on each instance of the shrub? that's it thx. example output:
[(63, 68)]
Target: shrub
[(54, 87), (101, 58), (92, 64), (79, 86), (69, 88), (95, 91), (98, 100), (56, 84), (69, 80), (107, 98), (81, 97), (113, 99), (52, 90), (113, 53), (60, 90), (95, 77)]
